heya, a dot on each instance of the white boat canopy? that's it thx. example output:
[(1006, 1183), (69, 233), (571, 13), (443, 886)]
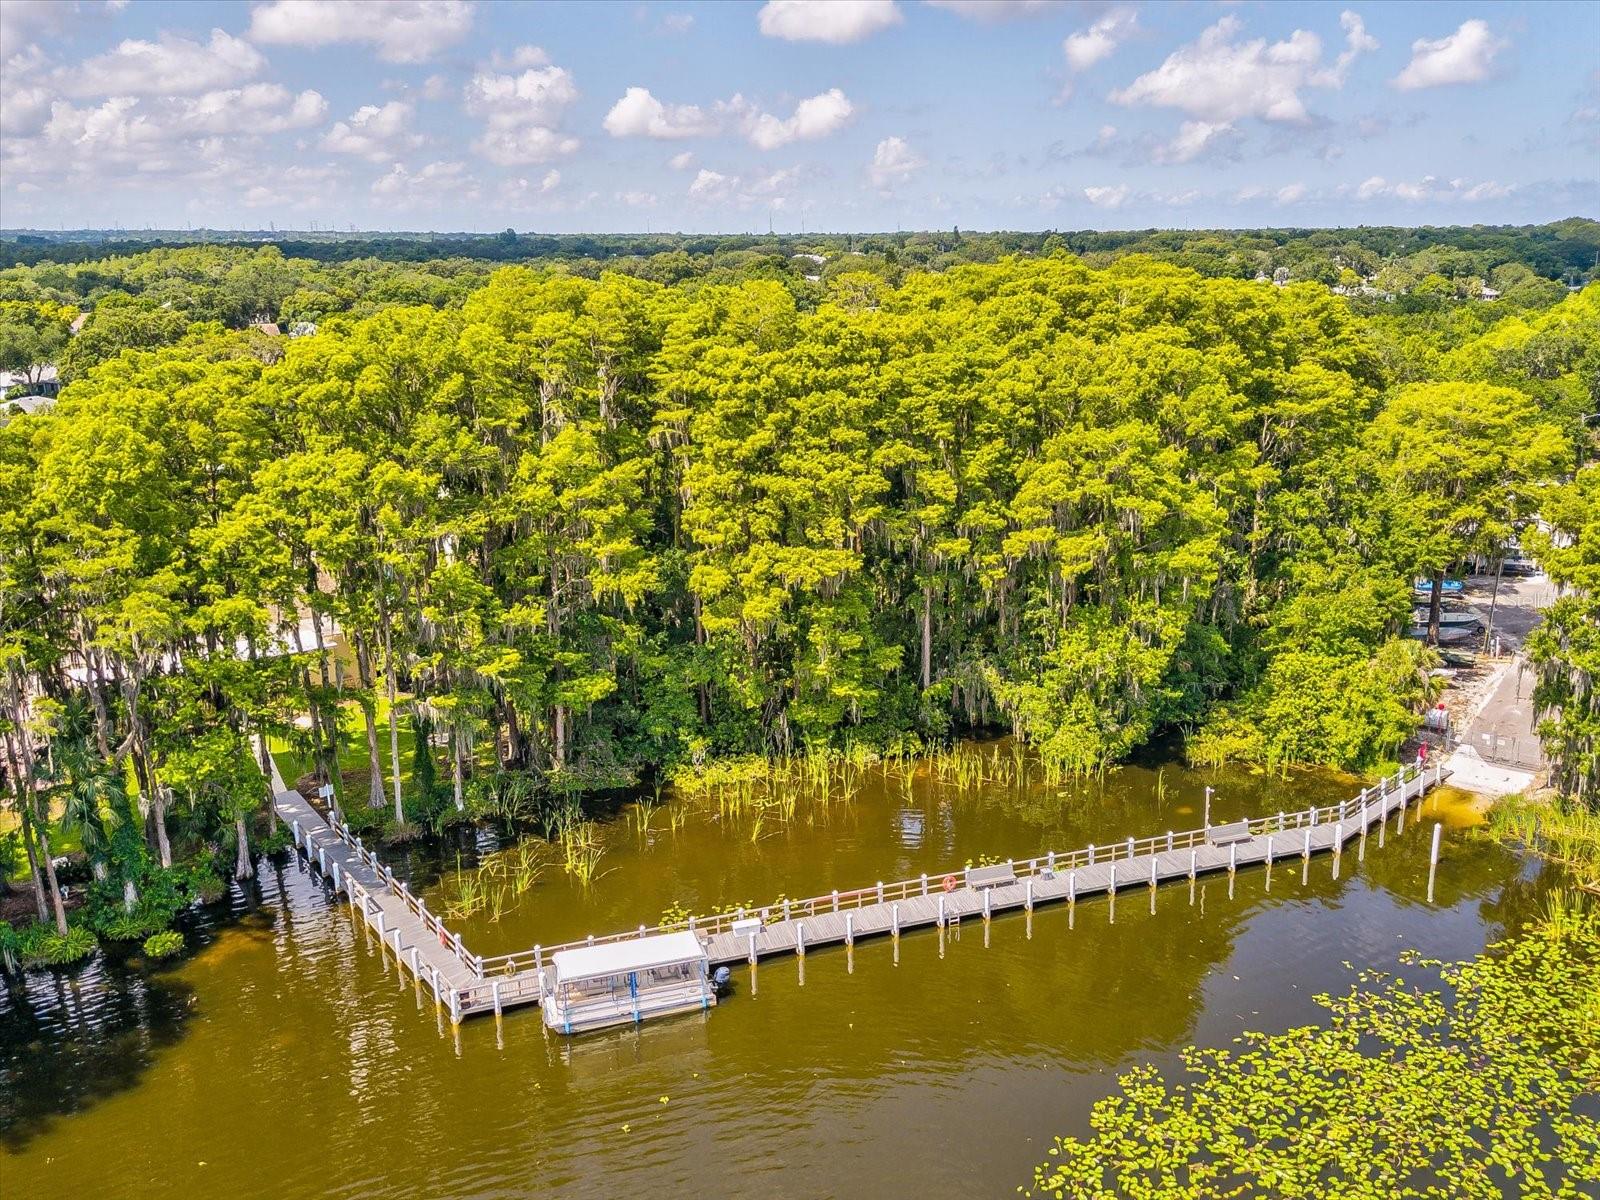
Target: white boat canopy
[(625, 957)]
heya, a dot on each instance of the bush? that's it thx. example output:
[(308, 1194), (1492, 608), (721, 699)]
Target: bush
[(363, 820), (39, 945), (164, 944)]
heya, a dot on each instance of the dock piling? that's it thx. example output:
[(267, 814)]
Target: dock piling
[(1433, 858)]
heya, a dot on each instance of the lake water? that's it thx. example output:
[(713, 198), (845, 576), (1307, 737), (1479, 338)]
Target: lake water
[(282, 1058)]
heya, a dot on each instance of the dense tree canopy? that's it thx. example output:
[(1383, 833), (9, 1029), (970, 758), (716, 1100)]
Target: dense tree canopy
[(580, 531)]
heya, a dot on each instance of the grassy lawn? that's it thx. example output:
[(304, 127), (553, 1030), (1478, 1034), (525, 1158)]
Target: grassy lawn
[(353, 753), (62, 841)]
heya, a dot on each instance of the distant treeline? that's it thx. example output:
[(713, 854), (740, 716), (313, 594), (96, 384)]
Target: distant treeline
[(1567, 250)]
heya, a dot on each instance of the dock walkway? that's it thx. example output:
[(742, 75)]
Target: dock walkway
[(464, 984)]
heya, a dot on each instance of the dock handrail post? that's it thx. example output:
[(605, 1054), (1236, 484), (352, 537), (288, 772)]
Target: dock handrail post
[(1280, 821), (1269, 850), (941, 910), (1028, 893), (786, 908), (322, 858), (414, 972), (494, 992), (1130, 848), (1152, 873), (1194, 862), (294, 828), (880, 891), (924, 883), (1433, 858), (835, 899), (1091, 854), (849, 929), (894, 917), (1233, 857), (460, 953), (800, 938), (752, 942), (642, 926), (477, 965), (1049, 860), (1306, 850), (1072, 887), (1169, 841), (335, 877), (383, 931), (1206, 819), (538, 952), (987, 892)]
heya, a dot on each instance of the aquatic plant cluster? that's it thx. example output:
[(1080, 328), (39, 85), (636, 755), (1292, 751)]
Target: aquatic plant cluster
[(1559, 829), (1473, 1080)]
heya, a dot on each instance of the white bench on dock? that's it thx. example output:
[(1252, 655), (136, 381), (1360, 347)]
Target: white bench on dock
[(998, 875)]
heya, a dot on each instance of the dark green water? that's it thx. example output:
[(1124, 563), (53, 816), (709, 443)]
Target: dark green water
[(282, 1059)]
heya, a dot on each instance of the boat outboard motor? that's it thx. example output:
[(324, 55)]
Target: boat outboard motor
[(721, 980)]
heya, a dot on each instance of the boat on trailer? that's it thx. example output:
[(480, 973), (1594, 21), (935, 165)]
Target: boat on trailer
[(626, 982)]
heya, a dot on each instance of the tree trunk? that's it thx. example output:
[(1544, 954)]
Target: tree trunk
[(1434, 601), (455, 769), (158, 809), (243, 866), (927, 637), (1494, 597), (394, 711), (50, 875), (375, 796), (33, 868)]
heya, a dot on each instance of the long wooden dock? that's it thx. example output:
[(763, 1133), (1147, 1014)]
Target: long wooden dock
[(464, 984)]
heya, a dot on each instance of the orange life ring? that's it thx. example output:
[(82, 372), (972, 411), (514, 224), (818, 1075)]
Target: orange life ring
[(949, 883)]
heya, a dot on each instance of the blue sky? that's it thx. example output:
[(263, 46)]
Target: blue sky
[(839, 115)]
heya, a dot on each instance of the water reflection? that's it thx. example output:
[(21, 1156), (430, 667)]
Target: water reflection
[(936, 1064)]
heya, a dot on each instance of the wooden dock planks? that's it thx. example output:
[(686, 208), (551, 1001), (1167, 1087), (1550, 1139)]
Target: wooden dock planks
[(435, 957)]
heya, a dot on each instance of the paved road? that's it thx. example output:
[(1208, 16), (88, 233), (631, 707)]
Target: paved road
[(1497, 750)]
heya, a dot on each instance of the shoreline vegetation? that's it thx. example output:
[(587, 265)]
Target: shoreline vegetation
[(484, 544)]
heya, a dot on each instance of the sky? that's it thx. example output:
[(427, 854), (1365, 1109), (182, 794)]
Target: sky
[(794, 115)]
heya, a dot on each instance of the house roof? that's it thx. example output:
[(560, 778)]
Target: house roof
[(634, 954)]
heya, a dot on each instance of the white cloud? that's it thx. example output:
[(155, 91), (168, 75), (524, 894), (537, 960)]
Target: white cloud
[(522, 114), (1431, 188), (681, 162), (991, 11), (257, 108), (426, 187), (435, 87), (639, 114), (23, 20), (522, 192), (1466, 56), (25, 111), (893, 162), (520, 59), (170, 66), (402, 31), (835, 21), (815, 117), (637, 199), (1291, 193), (676, 22), (1100, 40), (1107, 197), (374, 132), (295, 186), (1193, 139), (714, 187), (1218, 79)]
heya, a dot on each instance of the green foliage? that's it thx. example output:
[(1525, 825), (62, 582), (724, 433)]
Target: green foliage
[(37, 944), (1565, 648), (163, 945), (1476, 1078)]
